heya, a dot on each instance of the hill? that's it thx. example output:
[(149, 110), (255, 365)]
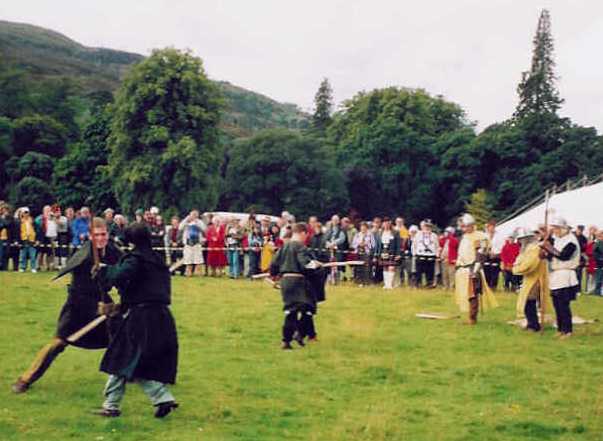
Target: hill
[(44, 53)]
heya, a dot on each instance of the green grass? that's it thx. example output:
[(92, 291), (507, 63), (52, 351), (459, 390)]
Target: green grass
[(378, 373)]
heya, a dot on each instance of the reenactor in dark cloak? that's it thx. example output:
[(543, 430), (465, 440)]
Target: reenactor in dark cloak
[(145, 347), (81, 306), (300, 286)]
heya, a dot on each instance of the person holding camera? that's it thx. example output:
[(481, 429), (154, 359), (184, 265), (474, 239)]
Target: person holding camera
[(193, 236)]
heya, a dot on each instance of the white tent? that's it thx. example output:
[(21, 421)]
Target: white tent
[(582, 206)]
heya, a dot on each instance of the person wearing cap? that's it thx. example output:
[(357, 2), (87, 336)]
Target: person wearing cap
[(28, 239), (425, 248), (532, 267), (144, 348), (563, 252), (80, 228), (471, 287), (449, 248), (80, 308)]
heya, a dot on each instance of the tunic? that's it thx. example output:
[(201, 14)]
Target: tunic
[(467, 257), (146, 344), (83, 296), (535, 284), (293, 258)]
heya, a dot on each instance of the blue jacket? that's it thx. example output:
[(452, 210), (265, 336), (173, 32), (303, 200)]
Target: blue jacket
[(79, 227)]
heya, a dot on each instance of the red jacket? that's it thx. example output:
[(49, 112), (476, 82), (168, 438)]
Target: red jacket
[(453, 247), (509, 254)]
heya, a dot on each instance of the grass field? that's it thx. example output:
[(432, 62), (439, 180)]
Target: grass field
[(378, 373)]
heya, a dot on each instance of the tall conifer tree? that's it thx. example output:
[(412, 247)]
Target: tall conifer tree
[(537, 91), (323, 105)]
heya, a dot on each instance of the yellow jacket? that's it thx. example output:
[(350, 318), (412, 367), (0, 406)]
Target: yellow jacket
[(28, 232), (468, 247), (534, 270)]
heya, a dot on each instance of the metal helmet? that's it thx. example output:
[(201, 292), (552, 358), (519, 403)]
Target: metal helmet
[(467, 219)]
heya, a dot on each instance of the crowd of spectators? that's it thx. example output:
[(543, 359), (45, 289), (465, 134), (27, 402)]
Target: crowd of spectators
[(242, 246)]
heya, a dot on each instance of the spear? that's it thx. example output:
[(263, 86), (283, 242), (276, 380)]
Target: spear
[(546, 237)]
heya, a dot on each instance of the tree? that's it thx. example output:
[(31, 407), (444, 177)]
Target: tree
[(389, 143), (164, 139), (6, 151), (537, 91), (39, 133), (14, 91), (280, 170), (81, 177), (323, 106), (33, 193), (480, 207)]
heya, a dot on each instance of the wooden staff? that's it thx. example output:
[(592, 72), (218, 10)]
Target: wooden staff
[(86, 329)]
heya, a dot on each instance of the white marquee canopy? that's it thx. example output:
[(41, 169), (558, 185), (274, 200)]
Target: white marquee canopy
[(582, 206)]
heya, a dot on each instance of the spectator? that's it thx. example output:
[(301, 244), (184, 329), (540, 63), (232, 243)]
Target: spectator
[(336, 242), (425, 248), (27, 240), (449, 246), (118, 230), (192, 229), (80, 228), (216, 258), (52, 237), (173, 243), (254, 244), (583, 241), (5, 227), (43, 248), (492, 264), (158, 233), (508, 256), (139, 216), (234, 236), (376, 232), (272, 241), (109, 215), (387, 251), (363, 246), (63, 237), (591, 265), (598, 256)]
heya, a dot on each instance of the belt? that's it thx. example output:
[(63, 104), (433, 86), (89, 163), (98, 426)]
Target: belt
[(292, 275)]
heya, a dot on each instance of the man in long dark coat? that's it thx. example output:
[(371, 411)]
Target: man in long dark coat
[(145, 347), (81, 306)]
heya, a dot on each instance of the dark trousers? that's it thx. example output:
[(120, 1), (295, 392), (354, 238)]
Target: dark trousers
[(254, 263), (491, 272), (425, 266), (531, 313), (512, 281), (561, 302), (4, 249), (14, 252), (298, 319)]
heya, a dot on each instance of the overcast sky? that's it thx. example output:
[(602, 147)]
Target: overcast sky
[(470, 51)]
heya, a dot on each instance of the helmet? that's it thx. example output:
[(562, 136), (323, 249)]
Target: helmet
[(467, 219)]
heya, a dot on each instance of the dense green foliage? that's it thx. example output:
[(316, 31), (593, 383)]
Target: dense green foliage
[(279, 169), (164, 136), (81, 177), (388, 142), (392, 151), (378, 373)]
